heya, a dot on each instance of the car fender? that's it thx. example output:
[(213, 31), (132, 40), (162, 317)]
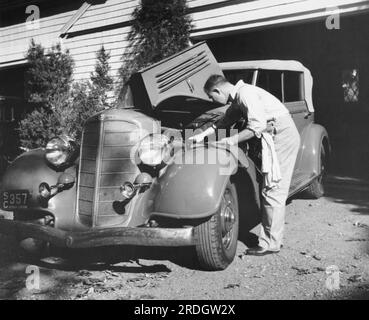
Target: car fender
[(311, 142), (191, 189), (27, 171)]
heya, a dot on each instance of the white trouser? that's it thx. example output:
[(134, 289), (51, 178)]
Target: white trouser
[(287, 143)]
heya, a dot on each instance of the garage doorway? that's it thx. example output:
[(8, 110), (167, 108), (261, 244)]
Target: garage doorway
[(13, 107), (338, 62)]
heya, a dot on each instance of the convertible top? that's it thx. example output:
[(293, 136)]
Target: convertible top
[(286, 65)]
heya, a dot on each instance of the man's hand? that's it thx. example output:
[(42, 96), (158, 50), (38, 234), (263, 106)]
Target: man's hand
[(271, 128), (230, 141), (201, 136)]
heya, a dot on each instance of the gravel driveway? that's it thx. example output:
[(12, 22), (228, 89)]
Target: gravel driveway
[(331, 233)]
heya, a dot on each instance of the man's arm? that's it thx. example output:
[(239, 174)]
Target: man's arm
[(244, 135), (231, 115)]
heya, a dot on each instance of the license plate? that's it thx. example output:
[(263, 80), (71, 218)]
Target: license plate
[(14, 199)]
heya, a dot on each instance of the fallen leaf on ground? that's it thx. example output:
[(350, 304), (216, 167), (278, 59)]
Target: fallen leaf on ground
[(360, 225), (136, 279), (111, 273), (93, 281), (301, 271), (232, 285), (84, 273), (320, 269), (356, 278), (304, 271)]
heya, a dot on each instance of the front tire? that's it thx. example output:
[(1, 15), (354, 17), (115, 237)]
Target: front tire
[(216, 238), (316, 189)]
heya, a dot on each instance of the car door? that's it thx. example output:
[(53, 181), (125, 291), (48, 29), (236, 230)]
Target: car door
[(288, 87), (293, 99)]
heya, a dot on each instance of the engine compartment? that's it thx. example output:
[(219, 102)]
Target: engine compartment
[(188, 113)]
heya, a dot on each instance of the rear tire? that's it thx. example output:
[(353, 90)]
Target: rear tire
[(316, 189), (216, 238)]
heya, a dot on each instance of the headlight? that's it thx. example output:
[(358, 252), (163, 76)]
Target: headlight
[(60, 151), (154, 149), (127, 190)]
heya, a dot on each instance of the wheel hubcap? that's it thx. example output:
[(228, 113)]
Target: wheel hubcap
[(228, 219)]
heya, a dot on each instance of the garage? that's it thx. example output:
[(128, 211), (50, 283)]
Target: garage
[(337, 59)]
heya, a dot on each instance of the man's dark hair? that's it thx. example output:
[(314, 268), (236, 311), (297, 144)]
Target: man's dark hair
[(213, 81)]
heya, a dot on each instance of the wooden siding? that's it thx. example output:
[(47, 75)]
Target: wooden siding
[(108, 24), (14, 40)]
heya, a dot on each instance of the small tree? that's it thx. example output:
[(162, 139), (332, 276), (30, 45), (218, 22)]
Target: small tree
[(160, 28), (61, 106), (49, 74), (102, 82), (49, 80), (89, 98)]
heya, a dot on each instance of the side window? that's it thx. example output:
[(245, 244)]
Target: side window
[(271, 81), (292, 86), (7, 113), (233, 76)]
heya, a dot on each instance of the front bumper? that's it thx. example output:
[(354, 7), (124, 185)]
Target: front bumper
[(98, 237)]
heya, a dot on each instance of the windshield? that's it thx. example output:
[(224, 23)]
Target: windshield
[(233, 76)]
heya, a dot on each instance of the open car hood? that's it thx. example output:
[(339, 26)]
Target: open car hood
[(181, 75)]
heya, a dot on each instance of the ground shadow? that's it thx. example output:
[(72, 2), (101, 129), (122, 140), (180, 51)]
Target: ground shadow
[(348, 190), (354, 192), (127, 260), (107, 258), (351, 191)]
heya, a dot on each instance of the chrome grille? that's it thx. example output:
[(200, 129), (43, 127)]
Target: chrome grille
[(105, 164)]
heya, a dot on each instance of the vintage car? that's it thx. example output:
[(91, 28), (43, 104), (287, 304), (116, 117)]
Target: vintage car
[(135, 179)]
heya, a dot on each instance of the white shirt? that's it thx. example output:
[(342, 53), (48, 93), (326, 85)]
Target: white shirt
[(254, 104)]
